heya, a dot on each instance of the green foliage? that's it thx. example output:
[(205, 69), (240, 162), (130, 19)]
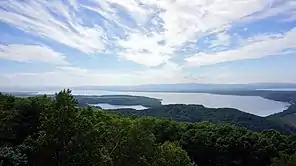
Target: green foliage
[(12, 157), (118, 100), (289, 111), (54, 131), (283, 96), (20, 117), (51, 131), (198, 113), (172, 155), (285, 160), (288, 116)]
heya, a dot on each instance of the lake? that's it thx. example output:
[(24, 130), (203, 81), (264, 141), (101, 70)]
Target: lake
[(112, 107), (251, 104), (280, 89)]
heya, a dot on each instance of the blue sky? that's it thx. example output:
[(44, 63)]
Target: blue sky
[(131, 42)]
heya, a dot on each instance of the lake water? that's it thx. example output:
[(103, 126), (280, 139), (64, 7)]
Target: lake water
[(280, 89), (251, 104), (112, 107)]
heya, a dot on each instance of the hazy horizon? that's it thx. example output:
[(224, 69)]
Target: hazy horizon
[(158, 87)]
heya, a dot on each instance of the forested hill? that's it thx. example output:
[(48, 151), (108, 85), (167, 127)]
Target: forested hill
[(282, 96), (198, 113), (84, 100), (54, 131), (287, 116)]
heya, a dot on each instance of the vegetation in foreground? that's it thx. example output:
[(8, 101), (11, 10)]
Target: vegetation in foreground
[(46, 131)]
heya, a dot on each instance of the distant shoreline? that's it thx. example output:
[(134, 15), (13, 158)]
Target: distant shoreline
[(281, 96), (275, 95), (130, 99)]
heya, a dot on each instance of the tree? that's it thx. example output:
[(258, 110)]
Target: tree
[(12, 157), (54, 131), (62, 133), (285, 160), (173, 155)]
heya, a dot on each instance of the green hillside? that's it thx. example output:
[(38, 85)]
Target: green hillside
[(287, 116), (46, 131), (198, 113), (127, 100)]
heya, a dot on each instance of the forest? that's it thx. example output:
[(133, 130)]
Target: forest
[(49, 131), (84, 100), (283, 96), (199, 113)]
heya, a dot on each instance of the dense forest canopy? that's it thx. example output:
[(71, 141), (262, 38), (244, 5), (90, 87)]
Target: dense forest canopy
[(288, 116), (127, 100), (47, 131), (84, 100), (283, 96), (198, 113)]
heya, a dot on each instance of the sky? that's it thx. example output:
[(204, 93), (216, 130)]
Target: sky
[(132, 42)]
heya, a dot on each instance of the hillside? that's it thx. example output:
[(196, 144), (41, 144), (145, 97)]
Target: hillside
[(195, 113), (84, 100), (283, 96), (287, 116), (53, 131), (198, 113)]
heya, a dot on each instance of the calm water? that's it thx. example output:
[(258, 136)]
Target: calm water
[(110, 107), (251, 104), (280, 89)]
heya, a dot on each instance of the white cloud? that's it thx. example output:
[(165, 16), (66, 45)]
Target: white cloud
[(222, 39), (291, 17), (53, 20), (281, 8), (167, 74), (72, 69), (31, 53), (274, 45), (147, 59), (181, 22), (74, 76), (148, 32), (4, 81), (258, 38), (145, 50)]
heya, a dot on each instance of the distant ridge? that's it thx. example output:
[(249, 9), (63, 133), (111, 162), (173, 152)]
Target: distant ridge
[(198, 113)]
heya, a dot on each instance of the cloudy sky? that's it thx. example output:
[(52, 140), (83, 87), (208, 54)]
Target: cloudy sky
[(123, 42)]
